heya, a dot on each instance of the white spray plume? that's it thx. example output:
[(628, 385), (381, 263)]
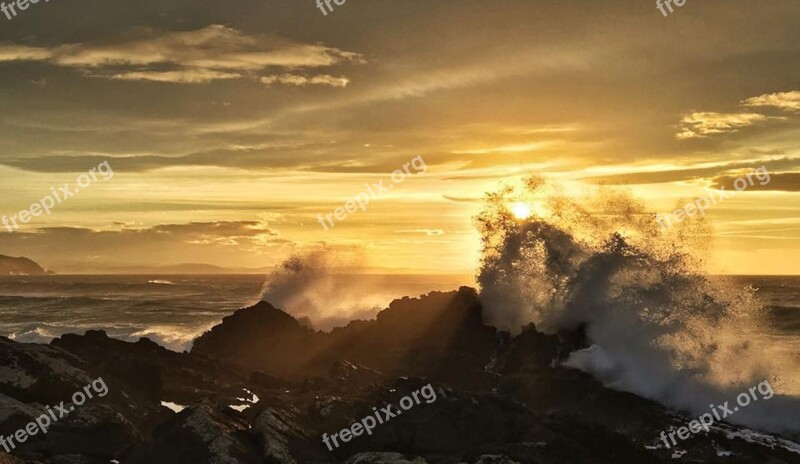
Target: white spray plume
[(322, 287), (661, 327)]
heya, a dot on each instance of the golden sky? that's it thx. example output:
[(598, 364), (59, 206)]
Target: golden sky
[(230, 126)]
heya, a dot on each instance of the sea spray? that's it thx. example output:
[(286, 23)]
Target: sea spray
[(659, 325), (312, 286)]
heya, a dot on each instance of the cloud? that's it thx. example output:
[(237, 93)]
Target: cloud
[(186, 76), (22, 53), (218, 229), (225, 243), (785, 182), (298, 80), (694, 171), (211, 53), (703, 124), (782, 100), (507, 149), (463, 199), (428, 232)]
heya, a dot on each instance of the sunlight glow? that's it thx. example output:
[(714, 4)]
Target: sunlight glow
[(521, 210)]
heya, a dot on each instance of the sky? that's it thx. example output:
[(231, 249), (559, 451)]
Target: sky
[(230, 127)]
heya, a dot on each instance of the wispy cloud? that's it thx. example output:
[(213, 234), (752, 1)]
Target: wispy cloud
[(782, 100), (202, 55), (298, 80), (428, 232), (184, 76), (703, 124), (518, 148)]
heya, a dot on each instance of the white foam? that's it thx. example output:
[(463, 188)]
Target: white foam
[(176, 408)]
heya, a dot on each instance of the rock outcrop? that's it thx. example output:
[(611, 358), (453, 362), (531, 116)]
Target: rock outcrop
[(261, 388), (19, 266)]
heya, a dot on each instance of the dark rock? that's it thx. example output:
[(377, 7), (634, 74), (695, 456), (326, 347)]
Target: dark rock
[(153, 373), (93, 430), (384, 458), (19, 266), (44, 374), (259, 338), (277, 430), (346, 375), (470, 426), (199, 435), (440, 335), (10, 459), (499, 399)]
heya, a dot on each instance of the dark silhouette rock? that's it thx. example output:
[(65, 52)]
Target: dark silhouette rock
[(262, 388), (260, 338), (440, 334), (200, 434), (152, 372), (19, 266)]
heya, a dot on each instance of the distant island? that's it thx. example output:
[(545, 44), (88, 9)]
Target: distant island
[(20, 266)]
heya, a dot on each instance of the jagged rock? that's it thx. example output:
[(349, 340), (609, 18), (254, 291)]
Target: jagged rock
[(347, 375), (500, 399), (10, 459), (202, 434), (440, 335), (471, 425), (152, 373), (75, 459), (268, 381), (276, 430), (94, 429), (15, 414), (45, 374), (259, 338), (495, 459), (383, 458)]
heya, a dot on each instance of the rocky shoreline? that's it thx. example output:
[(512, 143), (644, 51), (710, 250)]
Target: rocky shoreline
[(262, 388)]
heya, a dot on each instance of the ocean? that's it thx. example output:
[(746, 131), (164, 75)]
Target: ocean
[(171, 310)]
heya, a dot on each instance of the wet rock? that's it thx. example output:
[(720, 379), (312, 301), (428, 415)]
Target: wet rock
[(499, 399), (276, 431), (92, 430), (469, 426), (202, 434), (495, 459), (346, 375), (150, 373), (10, 459), (45, 374), (383, 458), (259, 338)]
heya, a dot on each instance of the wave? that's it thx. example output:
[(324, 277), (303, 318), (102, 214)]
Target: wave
[(306, 286), (161, 282), (659, 325), (173, 337), (36, 334)]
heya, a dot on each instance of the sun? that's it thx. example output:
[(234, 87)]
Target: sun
[(521, 210)]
